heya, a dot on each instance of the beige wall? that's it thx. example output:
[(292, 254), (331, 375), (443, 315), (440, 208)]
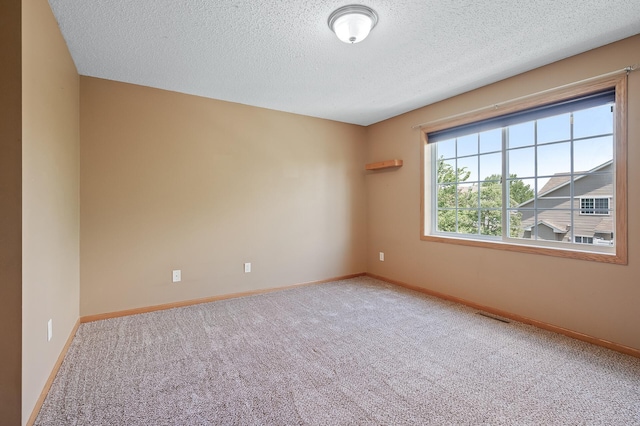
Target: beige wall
[(172, 181), (50, 191), (10, 217), (598, 299)]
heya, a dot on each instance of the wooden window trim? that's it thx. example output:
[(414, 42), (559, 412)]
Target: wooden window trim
[(619, 83)]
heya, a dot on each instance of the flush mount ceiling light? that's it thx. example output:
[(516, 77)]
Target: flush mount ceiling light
[(352, 23)]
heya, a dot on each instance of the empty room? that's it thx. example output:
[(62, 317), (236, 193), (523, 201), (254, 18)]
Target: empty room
[(288, 212)]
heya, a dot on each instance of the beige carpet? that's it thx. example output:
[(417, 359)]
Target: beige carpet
[(351, 352)]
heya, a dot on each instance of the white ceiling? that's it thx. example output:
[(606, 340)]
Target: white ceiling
[(280, 54)]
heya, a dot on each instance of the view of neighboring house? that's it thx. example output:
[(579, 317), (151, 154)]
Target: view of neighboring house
[(552, 214)]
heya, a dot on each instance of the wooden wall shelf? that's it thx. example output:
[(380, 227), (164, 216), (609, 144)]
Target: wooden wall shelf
[(384, 165)]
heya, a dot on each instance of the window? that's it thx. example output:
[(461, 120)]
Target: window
[(584, 240), (594, 206), (535, 179)]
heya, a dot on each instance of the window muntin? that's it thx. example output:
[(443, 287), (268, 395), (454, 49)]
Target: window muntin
[(587, 133)]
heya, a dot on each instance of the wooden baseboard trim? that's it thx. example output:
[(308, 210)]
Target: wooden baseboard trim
[(52, 376), (540, 324), (146, 309)]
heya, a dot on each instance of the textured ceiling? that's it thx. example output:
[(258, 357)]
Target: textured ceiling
[(280, 54)]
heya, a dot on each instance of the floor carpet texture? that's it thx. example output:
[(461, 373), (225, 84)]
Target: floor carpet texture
[(350, 352)]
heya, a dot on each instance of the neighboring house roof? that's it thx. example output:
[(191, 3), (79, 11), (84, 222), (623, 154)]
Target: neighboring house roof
[(555, 182), (555, 228), (554, 201), (560, 180), (605, 225)]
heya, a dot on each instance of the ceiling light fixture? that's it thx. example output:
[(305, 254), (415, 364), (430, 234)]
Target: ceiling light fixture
[(352, 23)]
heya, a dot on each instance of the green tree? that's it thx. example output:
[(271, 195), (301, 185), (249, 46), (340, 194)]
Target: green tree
[(491, 206), (484, 204), (491, 198), (519, 192), (450, 197)]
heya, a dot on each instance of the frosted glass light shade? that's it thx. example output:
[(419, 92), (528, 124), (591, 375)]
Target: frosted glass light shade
[(352, 28), (352, 23)]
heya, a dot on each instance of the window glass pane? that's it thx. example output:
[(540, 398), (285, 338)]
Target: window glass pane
[(446, 149), (491, 166), (468, 145), (556, 128), (519, 220), (586, 206), (547, 184), (447, 171), (593, 185), (554, 159), (521, 162), (468, 196), (521, 191), (603, 240), (446, 220), (468, 169), (491, 222), (491, 205), (491, 140), (551, 201), (468, 221), (593, 121), (521, 134), (552, 225), (447, 196), (491, 194), (594, 206), (586, 240), (601, 205), (591, 153)]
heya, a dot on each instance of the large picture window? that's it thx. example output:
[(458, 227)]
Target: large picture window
[(544, 178)]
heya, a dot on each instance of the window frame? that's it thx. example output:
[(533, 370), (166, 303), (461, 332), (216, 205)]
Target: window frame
[(619, 84)]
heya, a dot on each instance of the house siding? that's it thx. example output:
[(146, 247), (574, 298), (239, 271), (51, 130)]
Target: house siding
[(554, 206)]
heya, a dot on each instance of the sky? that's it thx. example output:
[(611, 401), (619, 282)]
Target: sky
[(590, 148)]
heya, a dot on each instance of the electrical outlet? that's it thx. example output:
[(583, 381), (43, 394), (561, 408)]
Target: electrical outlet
[(177, 275), (381, 257), (49, 330), (247, 268)]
